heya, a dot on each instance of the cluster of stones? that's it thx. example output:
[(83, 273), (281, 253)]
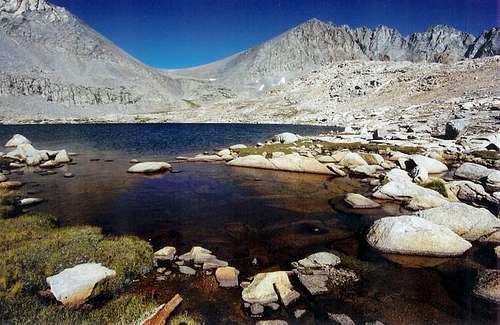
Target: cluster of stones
[(25, 155), (199, 258)]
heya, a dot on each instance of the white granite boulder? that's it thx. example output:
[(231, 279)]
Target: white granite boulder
[(265, 288), (433, 166), (149, 167), (358, 201), (285, 138), (17, 140), (403, 191), (74, 285), (412, 235), (227, 276), (467, 221), (165, 254)]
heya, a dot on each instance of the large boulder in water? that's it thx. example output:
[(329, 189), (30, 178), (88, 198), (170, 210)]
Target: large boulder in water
[(27, 153), (358, 201), (471, 192), (292, 163), (17, 140), (74, 285), (411, 235), (285, 138), (433, 166), (466, 221), (149, 167)]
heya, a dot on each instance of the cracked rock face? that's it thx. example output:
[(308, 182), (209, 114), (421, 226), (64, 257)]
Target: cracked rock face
[(19, 7)]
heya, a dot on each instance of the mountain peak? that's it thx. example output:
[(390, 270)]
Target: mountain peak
[(18, 7)]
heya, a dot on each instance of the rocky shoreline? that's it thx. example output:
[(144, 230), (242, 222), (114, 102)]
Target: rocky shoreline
[(447, 189)]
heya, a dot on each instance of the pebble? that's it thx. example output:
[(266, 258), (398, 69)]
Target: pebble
[(186, 270), (68, 175), (299, 313)]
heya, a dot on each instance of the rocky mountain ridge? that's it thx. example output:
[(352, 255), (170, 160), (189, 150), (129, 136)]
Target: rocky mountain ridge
[(314, 44), (53, 65)]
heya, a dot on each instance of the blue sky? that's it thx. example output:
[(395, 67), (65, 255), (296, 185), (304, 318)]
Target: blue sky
[(182, 33)]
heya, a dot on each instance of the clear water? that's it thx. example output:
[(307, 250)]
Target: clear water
[(242, 214)]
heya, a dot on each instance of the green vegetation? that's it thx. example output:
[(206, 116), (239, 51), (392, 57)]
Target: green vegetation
[(185, 319), (269, 149), (438, 185), (487, 154), (33, 247), (370, 147), (7, 206)]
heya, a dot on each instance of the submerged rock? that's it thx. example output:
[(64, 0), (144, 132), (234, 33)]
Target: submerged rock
[(466, 221), (488, 285), (358, 201), (74, 285), (17, 140), (149, 167), (319, 275), (412, 235)]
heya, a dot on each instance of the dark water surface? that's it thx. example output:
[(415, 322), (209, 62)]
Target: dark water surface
[(242, 214)]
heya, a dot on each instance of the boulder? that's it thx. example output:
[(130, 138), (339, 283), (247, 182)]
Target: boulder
[(224, 152), (358, 201), (319, 275), (472, 172), (398, 175), (50, 164), (187, 270), (455, 128), (285, 138), (412, 235), (432, 166), (207, 158), (17, 140), (380, 134), (326, 159), (488, 285), (373, 158), (336, 170), (62, 157), (262, 289), (165, 254), (318, 261), (423, 202), (237, 147), (292, 163), (3, 178), (149, 167), (352, 159), (366, 170), (403, 191), (471, 192), (492, 182), (419, 174), (340, 319), (74, 285), (30, 201), (466, 221), (27, 153), (227, 276)]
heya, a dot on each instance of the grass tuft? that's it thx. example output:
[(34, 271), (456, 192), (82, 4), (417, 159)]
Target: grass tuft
[(33, 247)]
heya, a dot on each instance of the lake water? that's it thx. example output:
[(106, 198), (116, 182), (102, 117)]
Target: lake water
[(242, 214)]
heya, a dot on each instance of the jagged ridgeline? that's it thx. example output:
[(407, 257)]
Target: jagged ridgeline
[(53, 65)]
